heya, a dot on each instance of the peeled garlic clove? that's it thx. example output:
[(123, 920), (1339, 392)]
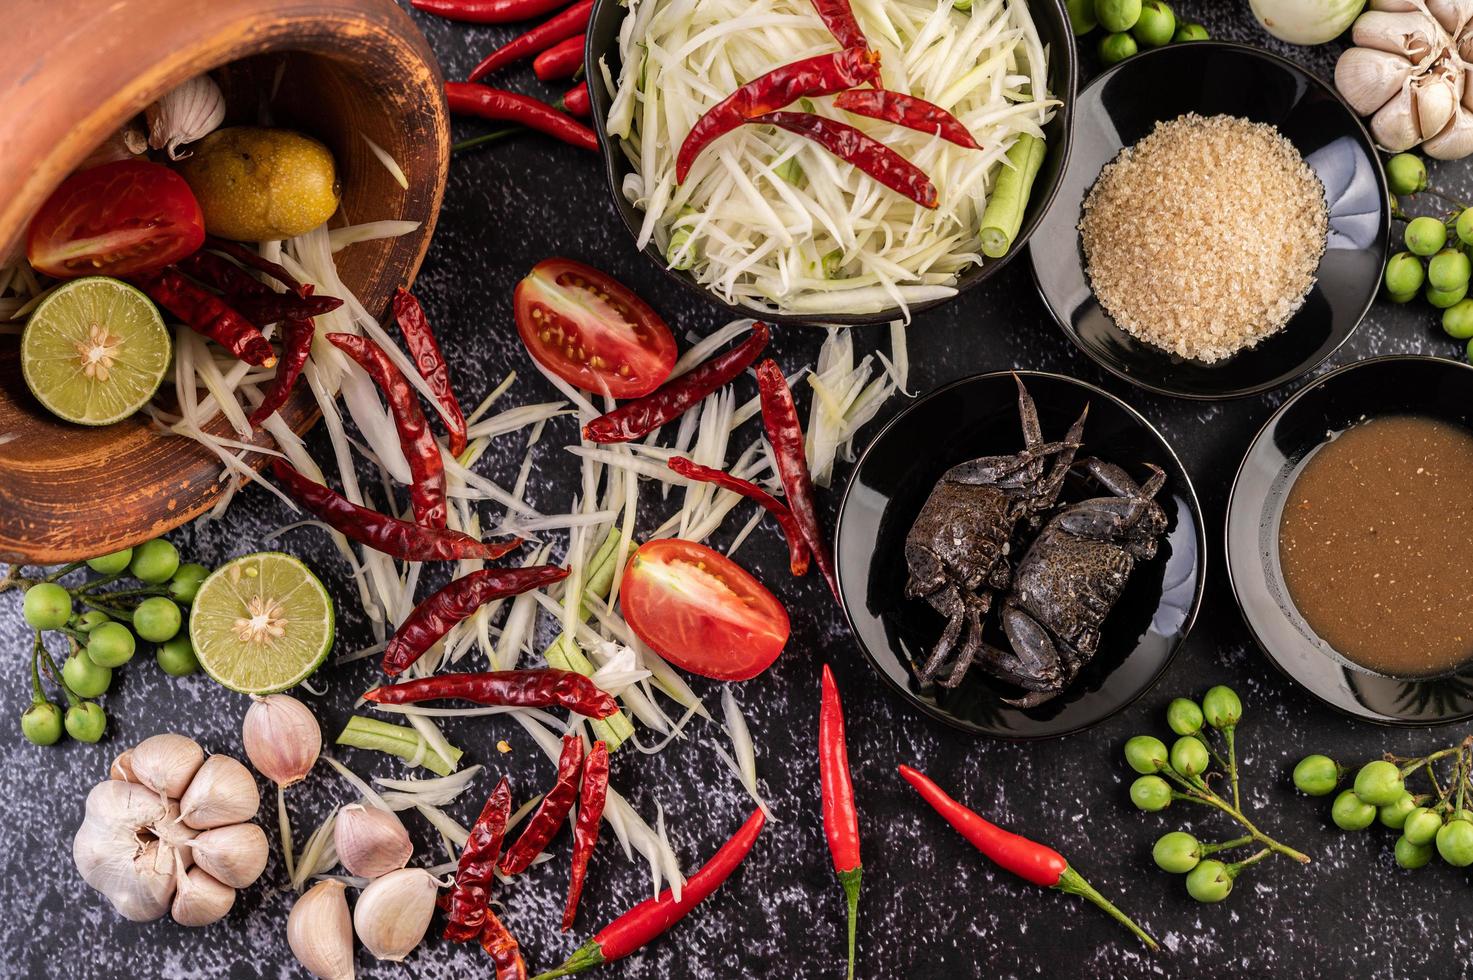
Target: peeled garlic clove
[(320, 931), (1395, 125), (200, 899), (1367, 78), (281, 738), (1414, 35), (371, 841), (236, 854), (1456, 139), (222, 792), (394, 911), (166, 763), (190, 112), (122, 768)]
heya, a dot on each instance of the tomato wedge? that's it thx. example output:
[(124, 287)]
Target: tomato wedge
[(591, 331), (119, 219), (702, 611)]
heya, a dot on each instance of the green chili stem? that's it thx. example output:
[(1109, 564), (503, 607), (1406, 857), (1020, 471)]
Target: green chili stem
[(475, 141), (1071, 883), (585, 957), (850, 881)]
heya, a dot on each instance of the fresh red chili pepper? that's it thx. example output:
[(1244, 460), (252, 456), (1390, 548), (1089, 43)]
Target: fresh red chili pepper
[(502, 947), (438, 614), (207, 314), (840, 820), (839, 18), (575, 100), (1037, 863), (822, 74), (395, 538), (466, 905), (572, 21), (785, 435), (562, 60), (592, 794), (426, 465), (641, 416), (475, 99), (272, 307), (551, 812), (542, 687), (797, 547), (296, 347), (250, 258), (864, 151), (908, 111), (425, 351), (487, 11), (654, 916)]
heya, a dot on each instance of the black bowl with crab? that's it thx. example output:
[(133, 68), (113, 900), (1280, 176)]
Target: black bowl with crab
[(975, 417)]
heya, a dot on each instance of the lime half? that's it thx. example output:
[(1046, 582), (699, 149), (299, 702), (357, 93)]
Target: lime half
[(262, 623), (94, 351)]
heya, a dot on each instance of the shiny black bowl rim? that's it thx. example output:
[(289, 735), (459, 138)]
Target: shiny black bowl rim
[(1189, 490), (612, 156), (1386, 721), (1367, 142)]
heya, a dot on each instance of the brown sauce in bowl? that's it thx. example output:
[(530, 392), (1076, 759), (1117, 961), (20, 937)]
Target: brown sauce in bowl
[(1376, 545)]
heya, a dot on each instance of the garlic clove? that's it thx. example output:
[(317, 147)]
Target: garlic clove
[(190, 112), (1453, 15), (1456, 139), (371, 841), (1367, 78), (281, 738), (1435, 96), (1395, 6), (200, 899), (166, 763), (320, 931), (236, 854), (123, 144), (122, 768), (223, 792), (1414, 35), (393, 912), (1395, 125)]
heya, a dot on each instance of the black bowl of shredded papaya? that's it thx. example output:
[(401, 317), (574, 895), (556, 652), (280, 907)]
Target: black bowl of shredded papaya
[(785, 218), (1102, 509)]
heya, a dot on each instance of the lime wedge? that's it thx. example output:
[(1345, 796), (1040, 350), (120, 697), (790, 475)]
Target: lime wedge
[(94, 351), (261, 624)]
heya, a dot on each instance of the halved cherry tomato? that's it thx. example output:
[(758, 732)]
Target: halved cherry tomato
[(702, 611), (591, 331), (119, 219)]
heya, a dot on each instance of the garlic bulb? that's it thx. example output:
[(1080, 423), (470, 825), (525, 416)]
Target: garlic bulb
[(281, 738), (200, 899), (223, 792), (165, 763), (371, 841), (320, 931), (129, 847), (236, 854), (394, 912), (190, 112), (1409, 71)]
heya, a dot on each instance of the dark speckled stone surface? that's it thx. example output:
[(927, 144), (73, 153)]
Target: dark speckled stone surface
[(931, 908)]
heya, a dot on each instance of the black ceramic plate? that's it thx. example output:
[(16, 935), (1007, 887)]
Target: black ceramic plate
[(1416, 385), (979, 416), (1052, 21), (1122, 106)]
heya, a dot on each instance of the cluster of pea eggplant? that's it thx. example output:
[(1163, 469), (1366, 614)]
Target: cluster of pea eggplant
[(1435, 263), (1130, 25)]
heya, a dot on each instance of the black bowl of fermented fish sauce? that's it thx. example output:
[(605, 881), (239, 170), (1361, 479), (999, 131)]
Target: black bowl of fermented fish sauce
[(1348, 539), (1123, 106), (979, 416), (1051, 19)]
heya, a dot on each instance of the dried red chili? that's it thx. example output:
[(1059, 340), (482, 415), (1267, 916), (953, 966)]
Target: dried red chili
[(822, 74), (592, 794), (475, 99), (502, 947), (430, 362), (426, 465), (908, 111), (466, 905), (839, 18), (250, 297), (250, 258), (572, 21), (551, 812), (654, 916), (575, 100), (1037, 863), (438, 614), (562, 60), (395, 538), (785, 435), (296, 347), (840, 819), (797, 547), (207, 314), (487, 11), (862, 150), (641, 416), (543, 687)]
